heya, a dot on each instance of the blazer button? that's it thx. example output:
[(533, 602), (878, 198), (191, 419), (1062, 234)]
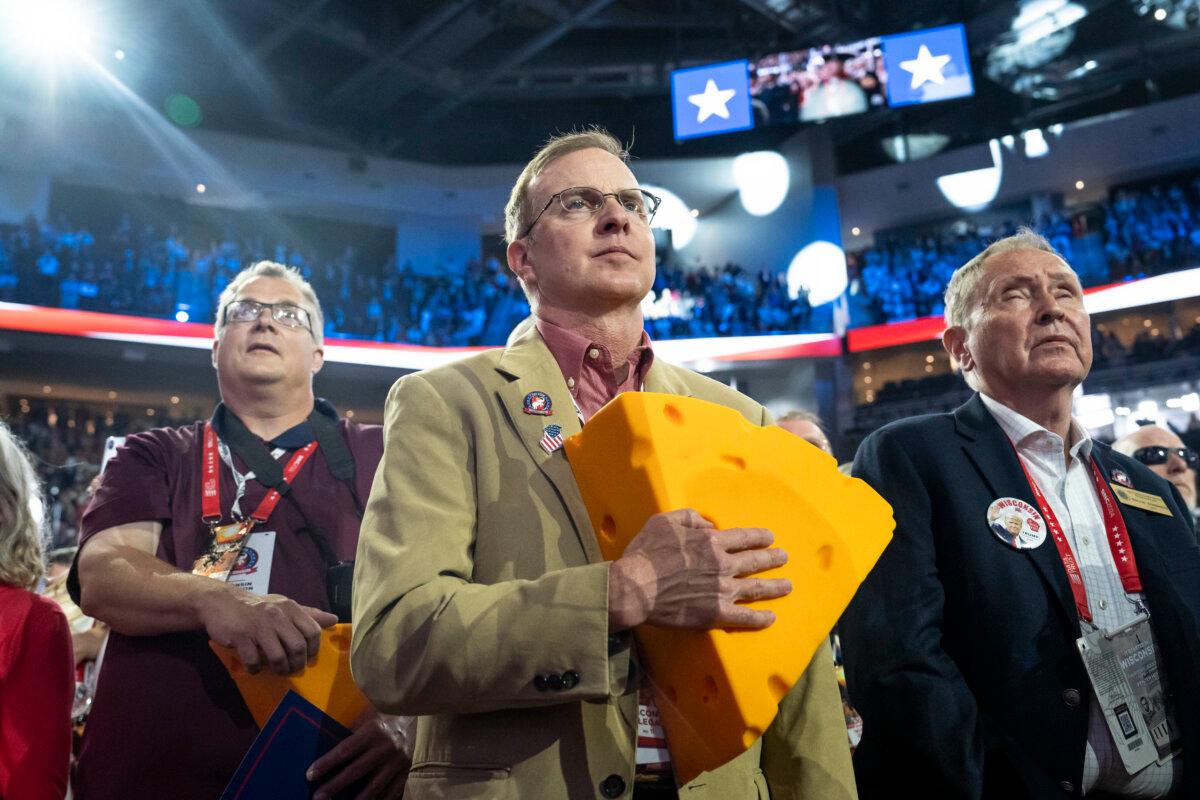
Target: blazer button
[(1067, 787), (554, 681), (570, 679), (1071, 697), (612, 786), (539, 683)]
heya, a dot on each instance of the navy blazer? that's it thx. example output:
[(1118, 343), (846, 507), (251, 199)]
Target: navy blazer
[(960, 650)]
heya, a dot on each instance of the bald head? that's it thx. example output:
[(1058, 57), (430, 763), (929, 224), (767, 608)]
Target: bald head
[(1175, 469)]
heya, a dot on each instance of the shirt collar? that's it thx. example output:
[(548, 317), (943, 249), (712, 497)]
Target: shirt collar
[(570, 351), (1025, 434), (293, 438)]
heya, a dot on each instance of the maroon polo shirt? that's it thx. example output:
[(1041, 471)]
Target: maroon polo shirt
[(167, 720), (587, 366)]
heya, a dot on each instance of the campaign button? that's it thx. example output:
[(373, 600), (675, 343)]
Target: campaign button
[(1016, 523)]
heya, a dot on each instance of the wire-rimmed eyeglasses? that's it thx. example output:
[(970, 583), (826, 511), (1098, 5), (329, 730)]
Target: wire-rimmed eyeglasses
[(581, 200), (287, 314)]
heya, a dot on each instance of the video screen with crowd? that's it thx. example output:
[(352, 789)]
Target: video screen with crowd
[(819, 83)]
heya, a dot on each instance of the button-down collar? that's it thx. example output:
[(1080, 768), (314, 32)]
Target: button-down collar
[(587, 367)]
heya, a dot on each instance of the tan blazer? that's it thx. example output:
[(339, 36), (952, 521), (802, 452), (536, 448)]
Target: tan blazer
[(478, 570)]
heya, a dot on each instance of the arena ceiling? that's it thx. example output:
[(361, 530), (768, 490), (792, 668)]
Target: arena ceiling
[(483, 81)]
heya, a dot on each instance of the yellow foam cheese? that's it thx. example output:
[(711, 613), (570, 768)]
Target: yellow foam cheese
[(326, 682), (646, 453)]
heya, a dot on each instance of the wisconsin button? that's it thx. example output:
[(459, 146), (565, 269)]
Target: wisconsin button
[(1016, 523)]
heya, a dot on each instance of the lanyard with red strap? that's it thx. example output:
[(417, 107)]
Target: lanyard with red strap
[(1114, 527), (210, 488)]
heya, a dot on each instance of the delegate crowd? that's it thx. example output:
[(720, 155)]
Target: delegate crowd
[(495, 644)]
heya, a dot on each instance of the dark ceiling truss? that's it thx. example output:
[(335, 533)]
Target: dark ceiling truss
[(425, 57), (482, 81), (379, 77)]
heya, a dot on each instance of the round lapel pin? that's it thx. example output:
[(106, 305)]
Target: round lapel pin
[(538, 403), (1016, 523), (1119, 476)]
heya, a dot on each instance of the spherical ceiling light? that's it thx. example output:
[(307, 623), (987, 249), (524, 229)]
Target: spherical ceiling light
[(762, 180), (820, 269), (674, 215)]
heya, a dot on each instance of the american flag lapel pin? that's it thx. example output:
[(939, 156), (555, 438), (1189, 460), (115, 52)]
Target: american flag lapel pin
[(552, 438)]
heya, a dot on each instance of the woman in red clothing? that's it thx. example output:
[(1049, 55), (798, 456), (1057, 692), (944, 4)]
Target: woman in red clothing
[(36, 667)]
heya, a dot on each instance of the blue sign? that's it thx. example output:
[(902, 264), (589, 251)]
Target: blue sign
[(711, 99), (927, 66)]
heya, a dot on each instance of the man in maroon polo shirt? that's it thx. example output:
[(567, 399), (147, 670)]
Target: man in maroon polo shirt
[(167, 720)]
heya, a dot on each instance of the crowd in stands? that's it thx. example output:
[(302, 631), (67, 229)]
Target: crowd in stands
[(1108, 351), (147, 271), (138, 270), (1139, 232), (67, 441)]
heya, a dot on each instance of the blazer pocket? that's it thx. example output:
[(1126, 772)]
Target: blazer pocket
[(439, 779)]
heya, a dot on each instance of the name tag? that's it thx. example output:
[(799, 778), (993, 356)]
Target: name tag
[(252, 571), (1147, 501), (1123, 668)]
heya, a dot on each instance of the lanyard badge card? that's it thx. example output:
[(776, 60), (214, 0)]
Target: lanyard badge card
[(229, 540), (223, 552), (1124, 673)]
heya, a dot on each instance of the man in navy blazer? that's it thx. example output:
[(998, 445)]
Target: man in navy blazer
[(961, 646)]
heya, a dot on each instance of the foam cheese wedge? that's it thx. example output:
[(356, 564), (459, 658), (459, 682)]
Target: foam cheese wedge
[(326, 683), (646, 453)]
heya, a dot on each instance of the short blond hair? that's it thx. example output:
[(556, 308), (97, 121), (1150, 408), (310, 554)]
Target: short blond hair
[(962, 299), (271, 269), (518, 213), (23, 529)]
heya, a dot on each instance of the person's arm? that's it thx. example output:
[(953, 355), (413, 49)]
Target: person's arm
[(123, 584), (87, 644), (920, 718), (428, 640), (37, 697)]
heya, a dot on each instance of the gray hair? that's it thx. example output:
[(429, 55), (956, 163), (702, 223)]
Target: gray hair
[(800, 415), (518, 213), (962, 299), (270, 269), (23, 529)]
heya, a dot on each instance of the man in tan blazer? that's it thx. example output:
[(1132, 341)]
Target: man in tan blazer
[(481, 600)]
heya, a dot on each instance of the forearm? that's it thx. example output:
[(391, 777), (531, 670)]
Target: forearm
[(140, 595)]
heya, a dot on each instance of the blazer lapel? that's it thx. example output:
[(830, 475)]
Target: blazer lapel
[(530, 367), (666, 379), (989, 448)]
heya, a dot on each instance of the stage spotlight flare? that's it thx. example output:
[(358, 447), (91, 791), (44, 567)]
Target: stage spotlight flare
[(46, 29)]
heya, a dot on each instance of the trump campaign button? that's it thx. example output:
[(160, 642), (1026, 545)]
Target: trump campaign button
[(1016, 523)]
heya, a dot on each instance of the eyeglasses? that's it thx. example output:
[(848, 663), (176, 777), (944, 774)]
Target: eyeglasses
[(584, 201), (287, 314), (1151, 456)]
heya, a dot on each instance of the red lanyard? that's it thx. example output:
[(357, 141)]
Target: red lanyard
[(210, 489), (1114, 526)]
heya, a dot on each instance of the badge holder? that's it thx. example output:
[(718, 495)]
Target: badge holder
[(222, 555), (1123, 670)]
